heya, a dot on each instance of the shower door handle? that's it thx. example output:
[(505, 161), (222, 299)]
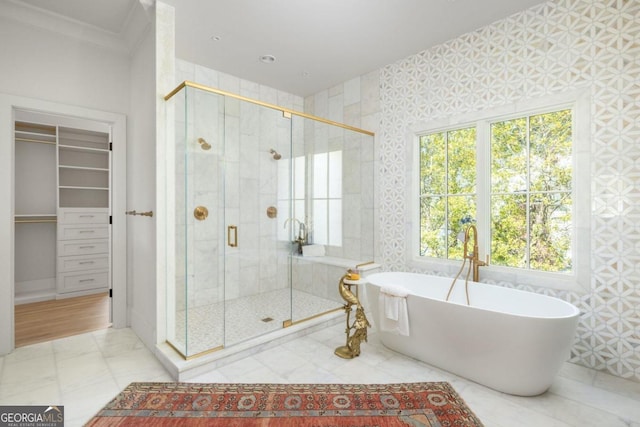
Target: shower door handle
[(232, 231)]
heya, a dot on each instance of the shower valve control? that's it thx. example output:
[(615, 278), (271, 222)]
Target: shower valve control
[(201, 213)]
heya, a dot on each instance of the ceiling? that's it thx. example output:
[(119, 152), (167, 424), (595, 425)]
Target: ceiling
[(316, 43)]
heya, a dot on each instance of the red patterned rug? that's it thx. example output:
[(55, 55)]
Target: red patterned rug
[(433, 404)]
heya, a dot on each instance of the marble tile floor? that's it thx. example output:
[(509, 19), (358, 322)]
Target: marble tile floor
[(85, 371)]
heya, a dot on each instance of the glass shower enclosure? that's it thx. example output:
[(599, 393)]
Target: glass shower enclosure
[(265, 207)]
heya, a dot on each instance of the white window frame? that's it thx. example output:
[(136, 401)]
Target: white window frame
[(329, 214), (580, 277)]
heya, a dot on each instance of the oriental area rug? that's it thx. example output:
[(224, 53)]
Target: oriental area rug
[(432, 404)]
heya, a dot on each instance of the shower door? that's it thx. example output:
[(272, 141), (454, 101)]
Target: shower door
[(256, 206), (199, 239), (232, 199)]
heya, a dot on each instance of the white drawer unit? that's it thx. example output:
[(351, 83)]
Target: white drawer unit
[(83, 250), (82, 231), (82, 281), (84, 216), (83, 262), (82, 247)]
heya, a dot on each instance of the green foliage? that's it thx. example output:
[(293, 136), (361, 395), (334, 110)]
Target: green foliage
[(448, 186), (531, 185)]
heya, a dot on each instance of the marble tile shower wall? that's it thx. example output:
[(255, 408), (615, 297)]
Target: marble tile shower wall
[(355, 103), (317, 279), (558, 46), (251, 183), (197, 183)]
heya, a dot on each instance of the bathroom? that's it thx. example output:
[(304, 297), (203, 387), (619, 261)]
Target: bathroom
[(554, 48)]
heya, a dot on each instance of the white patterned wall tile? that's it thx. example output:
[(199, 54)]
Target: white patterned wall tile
[(551, 48)]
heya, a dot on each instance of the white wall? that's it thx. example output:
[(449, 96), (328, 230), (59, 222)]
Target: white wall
[(164, 83), (141, 159), (51, 59), (47, 65), (52, 65)]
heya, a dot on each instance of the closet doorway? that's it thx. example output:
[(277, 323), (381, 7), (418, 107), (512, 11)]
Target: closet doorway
[(67, 237)]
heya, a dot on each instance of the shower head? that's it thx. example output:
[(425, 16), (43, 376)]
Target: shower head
[(276, 155), (204, 144)]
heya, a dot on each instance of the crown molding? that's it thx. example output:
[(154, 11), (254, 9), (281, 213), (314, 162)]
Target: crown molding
[(122, 43), (138, 24)]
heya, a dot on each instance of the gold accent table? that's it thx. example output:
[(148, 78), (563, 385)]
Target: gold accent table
[(360, 324)]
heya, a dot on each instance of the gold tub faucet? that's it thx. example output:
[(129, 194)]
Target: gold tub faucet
[(476, 263)]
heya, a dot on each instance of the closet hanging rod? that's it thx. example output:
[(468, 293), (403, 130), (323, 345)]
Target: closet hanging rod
[(35, 221), (35, 140)]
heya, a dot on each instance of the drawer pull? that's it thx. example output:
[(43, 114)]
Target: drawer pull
[(86, 247), (87, 231), (86, 262), (86, 216), (86, 280)]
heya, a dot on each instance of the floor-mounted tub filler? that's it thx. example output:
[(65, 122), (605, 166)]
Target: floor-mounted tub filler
[(506, 339)]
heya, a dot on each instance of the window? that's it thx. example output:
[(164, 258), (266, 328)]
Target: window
[(321, 213), (447, 190), (514, 177), (327, 198), (531, 192)]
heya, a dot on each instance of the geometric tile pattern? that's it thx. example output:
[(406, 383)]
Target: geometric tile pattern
[(551, 48)]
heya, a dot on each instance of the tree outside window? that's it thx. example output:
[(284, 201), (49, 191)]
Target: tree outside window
[(447, 190), (530, 196), (531, 192)]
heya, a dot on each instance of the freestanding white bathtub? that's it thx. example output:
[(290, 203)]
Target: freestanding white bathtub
[(509, 340)]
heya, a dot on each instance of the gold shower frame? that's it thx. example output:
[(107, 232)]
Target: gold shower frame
[(287, 113)]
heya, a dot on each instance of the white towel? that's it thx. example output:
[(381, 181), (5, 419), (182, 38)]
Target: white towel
[(392, 305)]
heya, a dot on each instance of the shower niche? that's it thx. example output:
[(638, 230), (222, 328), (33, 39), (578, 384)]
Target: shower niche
[(267, 207)]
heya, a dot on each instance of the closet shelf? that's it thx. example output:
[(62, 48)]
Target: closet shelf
[(83, 149), (39, 141), (75, 187), (86, 168)]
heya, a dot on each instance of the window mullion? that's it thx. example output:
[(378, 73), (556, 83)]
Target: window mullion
[(447, 194), (527, 249), (483, 187)]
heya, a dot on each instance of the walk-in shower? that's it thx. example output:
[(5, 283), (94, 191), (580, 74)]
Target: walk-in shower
[(238, 220)]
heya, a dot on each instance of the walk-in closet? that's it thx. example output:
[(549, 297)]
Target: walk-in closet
[(62, 232)]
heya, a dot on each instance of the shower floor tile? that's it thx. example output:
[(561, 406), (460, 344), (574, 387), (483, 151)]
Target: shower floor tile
[(207, 327)]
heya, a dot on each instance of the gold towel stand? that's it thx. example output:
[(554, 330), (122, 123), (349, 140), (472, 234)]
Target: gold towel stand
[(150, 213)]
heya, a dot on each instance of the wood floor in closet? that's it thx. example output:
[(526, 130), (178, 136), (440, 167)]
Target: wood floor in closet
[(48, 320)]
